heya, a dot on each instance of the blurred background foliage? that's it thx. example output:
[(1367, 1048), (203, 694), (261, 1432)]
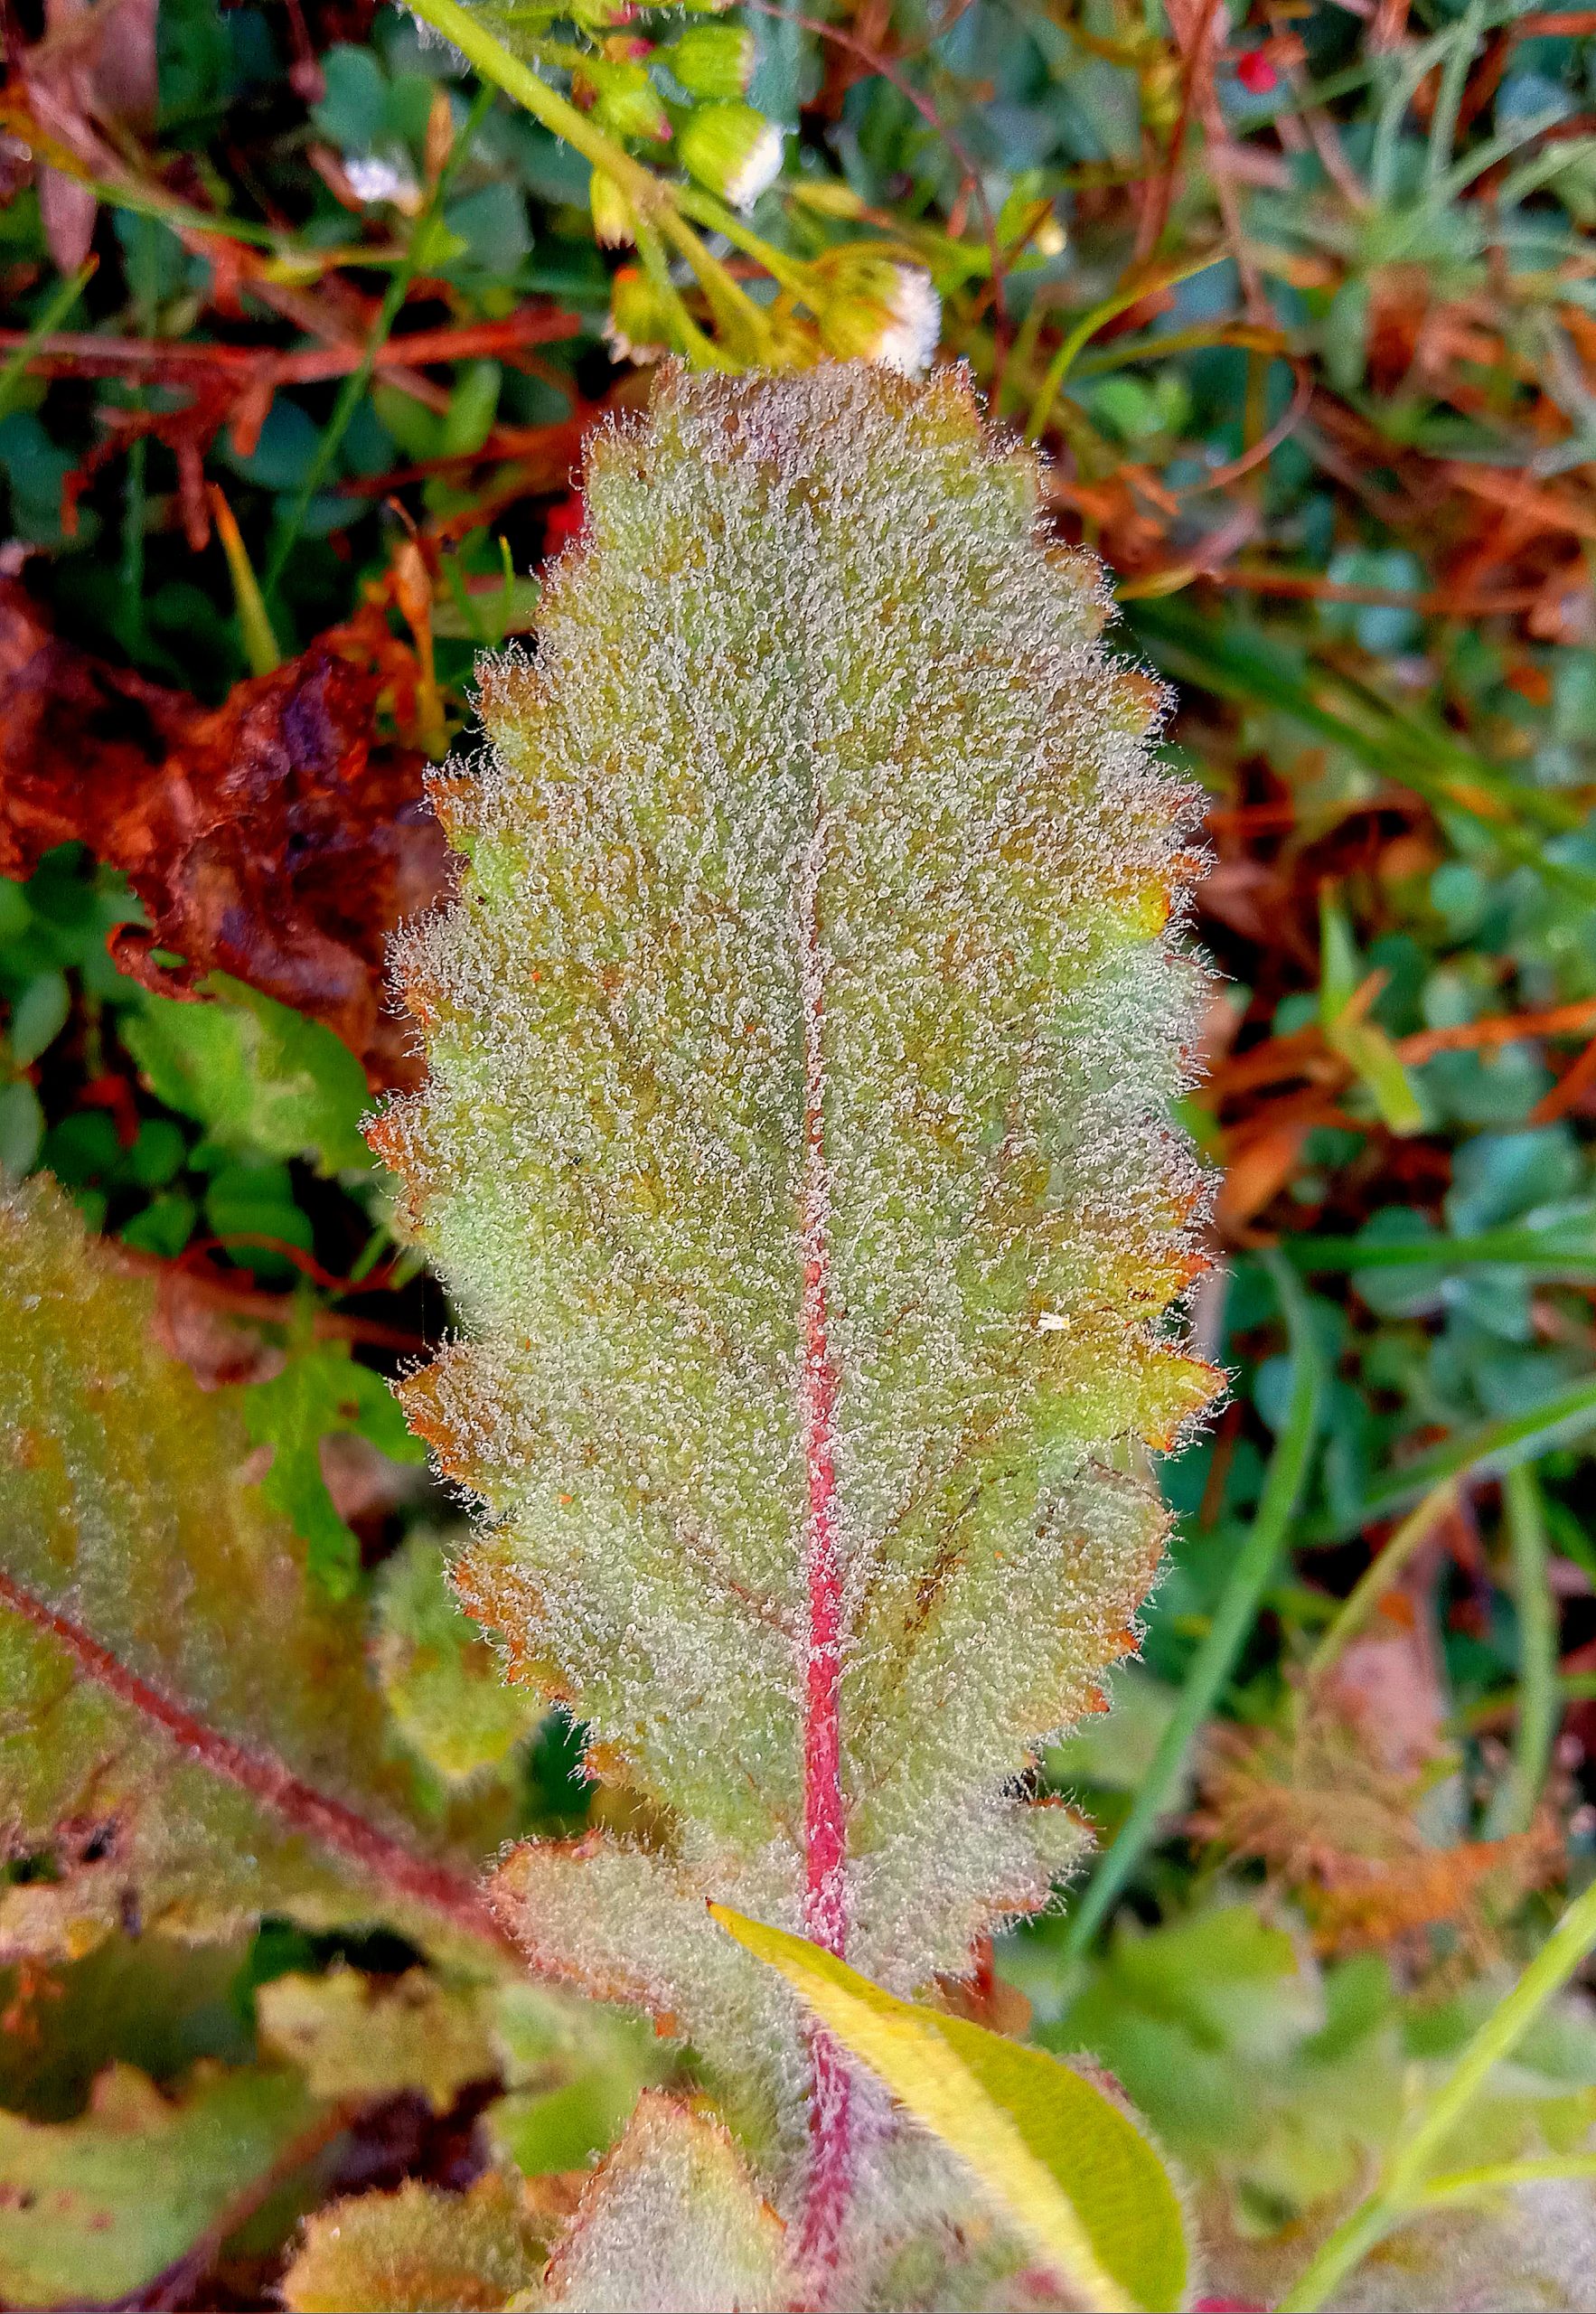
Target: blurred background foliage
[(308, 304)]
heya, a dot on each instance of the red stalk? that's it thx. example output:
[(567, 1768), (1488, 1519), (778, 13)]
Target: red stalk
[(825, 1828), (266, 1779)]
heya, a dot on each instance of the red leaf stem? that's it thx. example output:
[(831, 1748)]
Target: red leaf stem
[(85, 353), (825, 1830)]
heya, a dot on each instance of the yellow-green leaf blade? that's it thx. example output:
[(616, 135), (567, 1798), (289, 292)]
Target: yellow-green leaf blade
[(92, 2209), (1068, 2169)]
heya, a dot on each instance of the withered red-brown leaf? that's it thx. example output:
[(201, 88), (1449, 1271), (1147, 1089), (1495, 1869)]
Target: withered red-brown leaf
[(278, 837), (1330, 1807)]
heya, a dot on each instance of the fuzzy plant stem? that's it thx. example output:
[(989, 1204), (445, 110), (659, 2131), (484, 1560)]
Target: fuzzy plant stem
[(1403, 2187), (825, 1831)]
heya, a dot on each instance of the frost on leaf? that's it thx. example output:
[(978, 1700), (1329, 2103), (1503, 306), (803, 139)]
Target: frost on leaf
[(157, 1632), (670, 2225), (795, 1144)]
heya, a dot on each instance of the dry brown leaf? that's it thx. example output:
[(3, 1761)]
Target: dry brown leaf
[(279, 837)]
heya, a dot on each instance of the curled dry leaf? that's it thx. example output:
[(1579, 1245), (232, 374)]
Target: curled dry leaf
[(1321, 1806), (276, 837)]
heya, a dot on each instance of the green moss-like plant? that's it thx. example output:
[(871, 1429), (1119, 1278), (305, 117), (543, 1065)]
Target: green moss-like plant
[(795, 1143)]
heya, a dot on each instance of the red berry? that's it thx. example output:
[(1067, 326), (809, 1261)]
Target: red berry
[(1256, 73), (562, 523)]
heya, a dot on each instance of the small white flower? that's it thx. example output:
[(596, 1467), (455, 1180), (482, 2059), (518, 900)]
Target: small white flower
[(1050, 1323), (625, 349), (881, 311), (380, 177), (909, 341), (760, 168), (732, 149)]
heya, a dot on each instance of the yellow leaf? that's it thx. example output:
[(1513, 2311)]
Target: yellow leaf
[(358, 2036), (1066, 2165)]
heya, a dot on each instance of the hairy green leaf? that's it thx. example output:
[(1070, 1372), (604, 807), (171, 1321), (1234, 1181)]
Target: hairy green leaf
[(419, 2250), (94, 2208), (438, 1673), (797, 1146), (672, 2219), (356, 2037)]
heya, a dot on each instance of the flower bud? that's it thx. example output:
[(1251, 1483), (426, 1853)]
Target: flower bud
[(625, 99), (613, 225), (881, 310), (732, 150), (639, 327), (712, 59)]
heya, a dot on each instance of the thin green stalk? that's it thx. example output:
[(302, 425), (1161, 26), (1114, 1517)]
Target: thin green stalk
[(1501, 2176), (1023, 351), (1567, 1249), (132, 626), (729, 301), (353, 390), (792, 273), (488, 55), (143, 282), (1487, 1450), (1540, 1706), (1237, 1612), (1165, 276), (1125, 351), (1401, 74), (701, 350), (1570, 1687), (1235, 665), (1454, 77), (57, 307), (1402, 2188), (653, 202), (1378, 1576)]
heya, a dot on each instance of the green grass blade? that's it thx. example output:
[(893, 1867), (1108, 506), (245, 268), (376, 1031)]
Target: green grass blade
[(1566, 1250), (57, 307), (352, 391), (1486, 1450), (1540, 1706), (1232, 664), (1378, 1576)]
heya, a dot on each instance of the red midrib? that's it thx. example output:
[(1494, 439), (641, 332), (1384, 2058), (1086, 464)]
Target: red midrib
[(825, 1830)]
